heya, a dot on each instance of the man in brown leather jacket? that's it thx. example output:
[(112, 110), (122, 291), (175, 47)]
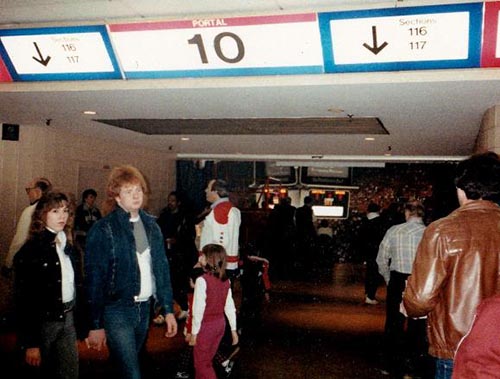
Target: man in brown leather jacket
[(458, 260)]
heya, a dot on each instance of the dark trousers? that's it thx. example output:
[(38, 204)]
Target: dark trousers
[(394, 332), (405, 339), (372, 279), (179, 277), (59, 350)]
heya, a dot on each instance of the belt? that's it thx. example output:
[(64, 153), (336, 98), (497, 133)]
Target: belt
[(138, 299), (68, 307)]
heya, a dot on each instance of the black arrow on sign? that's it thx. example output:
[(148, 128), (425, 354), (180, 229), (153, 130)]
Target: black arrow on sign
[(41, 59), (375, 49)]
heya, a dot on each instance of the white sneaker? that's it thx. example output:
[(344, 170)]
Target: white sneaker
[(370, 301), (229, 368), (182, 315)]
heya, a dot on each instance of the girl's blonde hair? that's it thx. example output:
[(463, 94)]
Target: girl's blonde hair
[(119, 177), (216, 260)]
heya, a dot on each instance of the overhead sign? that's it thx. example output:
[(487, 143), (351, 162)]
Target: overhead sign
[(4, 74), (490, 56), (264, 45), (67, 53), (402, 38)]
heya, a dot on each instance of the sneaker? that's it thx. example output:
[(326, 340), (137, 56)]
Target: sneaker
[(370, 301), (229, 368), (182, 315), (159, 320), (181, 375)]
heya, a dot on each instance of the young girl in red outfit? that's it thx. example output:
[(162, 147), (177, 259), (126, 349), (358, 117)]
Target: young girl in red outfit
[(212, 299)]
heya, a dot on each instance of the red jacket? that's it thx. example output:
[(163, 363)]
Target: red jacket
[(478, 355)]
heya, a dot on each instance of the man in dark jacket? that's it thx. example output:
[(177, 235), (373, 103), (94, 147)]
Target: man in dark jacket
[(370, 235), (179, 234), (306, 260), (125, 269)]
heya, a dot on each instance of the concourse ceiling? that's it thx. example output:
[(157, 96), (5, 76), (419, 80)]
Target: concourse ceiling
[(415, 115)]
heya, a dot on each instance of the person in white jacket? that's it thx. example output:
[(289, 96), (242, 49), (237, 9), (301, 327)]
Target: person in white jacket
[(34, 189), (222, 225)]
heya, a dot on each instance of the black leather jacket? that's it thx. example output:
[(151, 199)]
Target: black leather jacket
[(38, 292)]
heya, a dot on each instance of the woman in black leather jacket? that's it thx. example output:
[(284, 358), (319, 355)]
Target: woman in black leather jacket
[(45, 291)]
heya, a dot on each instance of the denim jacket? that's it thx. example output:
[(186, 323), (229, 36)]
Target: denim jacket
[(112, 275)]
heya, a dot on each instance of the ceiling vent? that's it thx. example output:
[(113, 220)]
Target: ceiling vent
[(252, 126)]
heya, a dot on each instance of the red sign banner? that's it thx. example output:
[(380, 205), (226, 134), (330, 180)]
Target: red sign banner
[(4, 73), (490, 53)]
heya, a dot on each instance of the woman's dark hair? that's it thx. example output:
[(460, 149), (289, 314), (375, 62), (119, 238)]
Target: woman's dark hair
[(479, 176), (216, 260), (47, 202)]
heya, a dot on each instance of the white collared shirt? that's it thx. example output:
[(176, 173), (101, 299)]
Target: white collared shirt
[(67, 272)]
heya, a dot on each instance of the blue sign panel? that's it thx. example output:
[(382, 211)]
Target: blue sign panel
[(432, 37), (59, 53)]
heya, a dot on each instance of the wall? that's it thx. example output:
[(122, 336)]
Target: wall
[(68, 160)]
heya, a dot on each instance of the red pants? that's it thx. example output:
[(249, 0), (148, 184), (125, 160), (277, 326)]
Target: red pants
[(207, 343)]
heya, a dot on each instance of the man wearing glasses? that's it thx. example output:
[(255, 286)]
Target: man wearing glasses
[(34, 189)]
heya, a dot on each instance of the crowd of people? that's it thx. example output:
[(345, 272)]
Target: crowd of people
[(104, 277), (443, 281)]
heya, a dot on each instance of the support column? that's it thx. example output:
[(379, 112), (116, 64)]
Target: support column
[(488, 138)]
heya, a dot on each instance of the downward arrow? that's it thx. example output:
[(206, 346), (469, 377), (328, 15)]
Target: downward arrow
[(41, 59), (375, 49)]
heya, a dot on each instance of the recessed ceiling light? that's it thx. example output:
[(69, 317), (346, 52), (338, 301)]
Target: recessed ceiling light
[(185, 138), (90, 112), (335, 110), (369, 139)]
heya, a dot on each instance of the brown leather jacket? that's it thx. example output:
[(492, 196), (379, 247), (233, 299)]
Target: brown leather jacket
[(457, 266)]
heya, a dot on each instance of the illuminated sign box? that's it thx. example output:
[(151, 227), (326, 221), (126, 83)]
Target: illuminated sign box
[(330, 203), (63, 53), (331, 211), (259, 45), (416, 38)]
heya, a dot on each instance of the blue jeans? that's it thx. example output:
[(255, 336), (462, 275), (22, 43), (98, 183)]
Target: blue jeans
[(126, 331), (444, 368)]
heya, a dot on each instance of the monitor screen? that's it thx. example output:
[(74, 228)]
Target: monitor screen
[(330, 203)]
